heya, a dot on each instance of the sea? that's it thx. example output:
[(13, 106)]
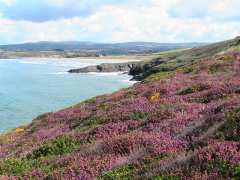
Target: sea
[(30, 87)]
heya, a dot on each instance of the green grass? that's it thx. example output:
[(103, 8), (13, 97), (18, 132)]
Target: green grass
[(158, 76), (19, 167)]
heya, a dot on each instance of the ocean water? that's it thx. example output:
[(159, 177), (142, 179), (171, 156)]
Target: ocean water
[(30, 87)]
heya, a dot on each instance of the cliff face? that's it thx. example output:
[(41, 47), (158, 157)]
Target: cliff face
[(178, 124)]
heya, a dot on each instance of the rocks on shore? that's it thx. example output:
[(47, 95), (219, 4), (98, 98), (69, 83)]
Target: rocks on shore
[(114, 67)]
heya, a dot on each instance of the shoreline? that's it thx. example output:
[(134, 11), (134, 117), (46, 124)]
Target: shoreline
[(125, 80), (113, 58)]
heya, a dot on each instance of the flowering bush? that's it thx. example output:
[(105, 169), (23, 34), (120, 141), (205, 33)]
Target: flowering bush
[(190, 116)]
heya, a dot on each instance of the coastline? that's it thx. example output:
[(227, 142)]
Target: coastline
[(62, 80)]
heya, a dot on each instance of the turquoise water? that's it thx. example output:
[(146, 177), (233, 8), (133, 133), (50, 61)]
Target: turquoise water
[(32, 87)]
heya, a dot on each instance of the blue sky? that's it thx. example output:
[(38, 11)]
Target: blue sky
[(118, 21)]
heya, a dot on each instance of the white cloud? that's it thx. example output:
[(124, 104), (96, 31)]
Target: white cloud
[(225, 8), (121, 23), (8, 2)]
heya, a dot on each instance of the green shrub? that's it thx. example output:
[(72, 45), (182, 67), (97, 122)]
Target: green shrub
[(17, 166), (237, 173), (59, 146), (230, 131), (91, 123), (140, 116), (192, 89), (123, 173), (185, 91)]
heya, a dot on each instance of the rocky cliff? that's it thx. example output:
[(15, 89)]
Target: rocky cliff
[(115, 67)]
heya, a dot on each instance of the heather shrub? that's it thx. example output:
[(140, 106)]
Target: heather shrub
[(61, 145), (165, 178), (186, 115), (111, 130)]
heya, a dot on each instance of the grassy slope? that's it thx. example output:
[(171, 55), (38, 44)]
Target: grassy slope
[(172, 60), (180, 123)]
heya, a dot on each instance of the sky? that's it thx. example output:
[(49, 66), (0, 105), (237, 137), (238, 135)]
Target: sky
[(118, 20)]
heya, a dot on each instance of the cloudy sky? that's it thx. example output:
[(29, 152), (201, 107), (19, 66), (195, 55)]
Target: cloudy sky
[(118, 20)]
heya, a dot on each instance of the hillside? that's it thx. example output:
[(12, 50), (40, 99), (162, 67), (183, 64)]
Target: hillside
[(170, 61), (166, 62), (180, 122), (78, 49)]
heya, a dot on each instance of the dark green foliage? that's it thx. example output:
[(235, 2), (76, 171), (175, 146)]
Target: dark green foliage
[(231, 130), (237, 173), (193, 89), (91, 123), (225, 168), (185, 91), (59, 146), (140, 116)]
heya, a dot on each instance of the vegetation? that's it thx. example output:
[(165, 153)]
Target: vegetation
[(182, 126)]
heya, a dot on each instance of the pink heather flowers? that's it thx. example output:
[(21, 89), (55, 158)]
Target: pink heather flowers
[(166, 117)]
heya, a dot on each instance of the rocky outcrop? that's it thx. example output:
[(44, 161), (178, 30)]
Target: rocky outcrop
[(115, 67)]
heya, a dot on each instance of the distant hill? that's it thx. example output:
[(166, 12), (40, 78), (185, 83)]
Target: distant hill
[(103, 48)]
